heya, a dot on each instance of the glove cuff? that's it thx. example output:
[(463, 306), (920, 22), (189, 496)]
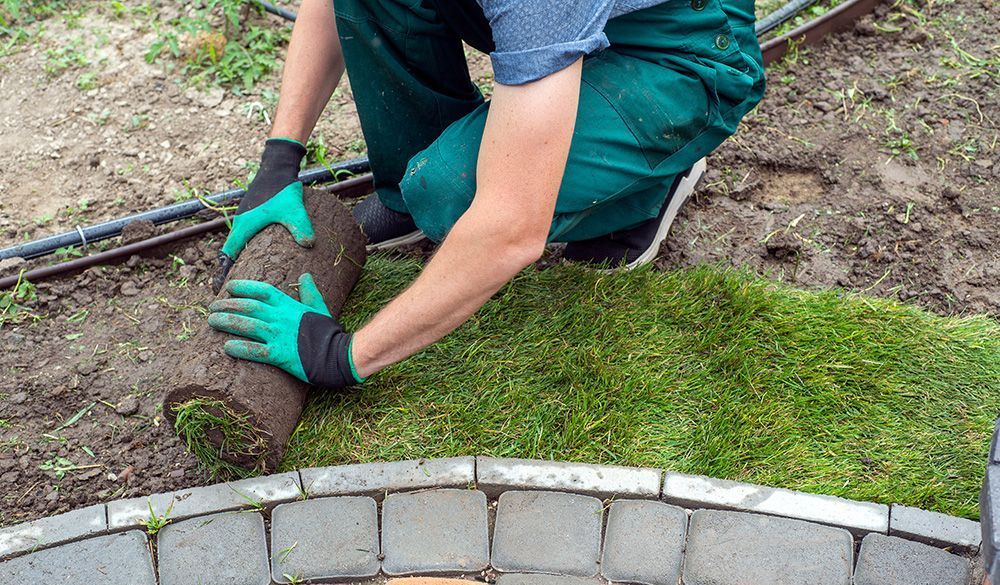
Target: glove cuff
[(324, 350), (279, 168), (282, 157), (350, 360)]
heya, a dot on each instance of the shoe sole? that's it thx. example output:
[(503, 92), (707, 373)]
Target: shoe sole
[(404, 240), (684, 190)]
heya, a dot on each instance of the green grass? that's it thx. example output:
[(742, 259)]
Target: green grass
[(701, 370)]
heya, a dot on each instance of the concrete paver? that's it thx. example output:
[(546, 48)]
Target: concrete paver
[(116, 559), (52, 530), (695, 491), (222, 549), (375, 479), (888, 560), (266, 491), (325, 538), (436, 531), (933, 528), (547, 532), (494, 476), (644, 542), (735, 548)]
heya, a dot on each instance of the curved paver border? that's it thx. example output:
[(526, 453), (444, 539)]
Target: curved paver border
[(524, 519)]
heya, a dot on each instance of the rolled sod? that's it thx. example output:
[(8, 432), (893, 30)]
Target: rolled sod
[(238, 415)]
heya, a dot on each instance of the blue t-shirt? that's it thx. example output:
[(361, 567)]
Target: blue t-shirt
[(535, 38)]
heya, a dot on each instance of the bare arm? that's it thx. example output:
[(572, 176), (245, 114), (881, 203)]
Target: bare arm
[(528, 133), (313, 68)]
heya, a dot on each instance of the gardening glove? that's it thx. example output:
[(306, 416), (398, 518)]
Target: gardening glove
[(274, 196), (300, 337)]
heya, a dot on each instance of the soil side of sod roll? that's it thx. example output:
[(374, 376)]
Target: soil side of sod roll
[(238, 415)]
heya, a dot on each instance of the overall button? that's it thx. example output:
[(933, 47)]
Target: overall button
[(698, 4), (722, 42)]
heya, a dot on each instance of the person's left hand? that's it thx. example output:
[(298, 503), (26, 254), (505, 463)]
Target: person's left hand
[(300, 337)]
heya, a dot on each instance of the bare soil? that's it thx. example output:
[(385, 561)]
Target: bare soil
[(872, 164), (810, 191)]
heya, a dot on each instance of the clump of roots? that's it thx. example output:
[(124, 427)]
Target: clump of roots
[(225, 442)]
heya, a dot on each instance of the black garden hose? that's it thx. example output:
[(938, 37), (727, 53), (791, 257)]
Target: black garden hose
[(781, 16), (109, 229), (277, 10)]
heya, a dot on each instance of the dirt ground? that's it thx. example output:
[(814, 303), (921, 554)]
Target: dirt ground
[(871, 165)]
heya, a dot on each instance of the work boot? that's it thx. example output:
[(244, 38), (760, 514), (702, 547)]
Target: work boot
[(385, 228), (638, 245)]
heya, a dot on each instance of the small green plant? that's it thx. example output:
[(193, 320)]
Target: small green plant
[(67, 252), (118, 10), (86, 81), (58, 466), (283, 553), (13, 302), (238, 57), (255, 504), (356, 146), (65, 57), (99, 119), (136, 122), (176, 262), (900, 143), (154, 523)]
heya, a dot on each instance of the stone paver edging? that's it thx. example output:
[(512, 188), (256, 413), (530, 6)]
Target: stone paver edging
[(526, 522)]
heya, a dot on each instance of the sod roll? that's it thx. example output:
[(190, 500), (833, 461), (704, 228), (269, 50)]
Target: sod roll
[(238, 415)]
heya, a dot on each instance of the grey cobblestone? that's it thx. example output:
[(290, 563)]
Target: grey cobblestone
[(644, 543), (935, 529), (52, 530), (538, 579), (734, 548), (547, 532), (116, 559), (325, 538), (494, 476), (267, 491), (437, 531), (375, 479), (888, 560), (694, 491), (222, 549)]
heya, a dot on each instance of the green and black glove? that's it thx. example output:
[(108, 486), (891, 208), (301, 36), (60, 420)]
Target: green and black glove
[(300, 337), (274, 196)]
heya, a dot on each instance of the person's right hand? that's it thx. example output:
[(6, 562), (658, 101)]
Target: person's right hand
[(274, 196)]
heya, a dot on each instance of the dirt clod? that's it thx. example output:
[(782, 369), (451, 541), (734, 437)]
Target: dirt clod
[(128, 406), (136, 231)]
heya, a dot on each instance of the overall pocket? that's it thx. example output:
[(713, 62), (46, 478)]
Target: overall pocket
[(664, 107)]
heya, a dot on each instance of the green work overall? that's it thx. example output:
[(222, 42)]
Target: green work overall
[(674, 84)]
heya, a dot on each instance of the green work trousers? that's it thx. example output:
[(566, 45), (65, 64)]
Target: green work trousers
[(673, 85)]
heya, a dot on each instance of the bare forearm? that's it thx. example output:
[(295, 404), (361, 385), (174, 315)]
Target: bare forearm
[(313, 68), (473, 263), (528, 133)]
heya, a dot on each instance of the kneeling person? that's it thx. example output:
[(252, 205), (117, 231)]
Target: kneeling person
[(595, 135)]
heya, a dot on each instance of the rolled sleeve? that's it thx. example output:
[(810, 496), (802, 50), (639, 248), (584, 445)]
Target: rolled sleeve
[(520, 67), (535, 38)]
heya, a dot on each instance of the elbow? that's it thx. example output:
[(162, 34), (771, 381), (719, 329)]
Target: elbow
[(521, 246), (511, 241), (525, 253)]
